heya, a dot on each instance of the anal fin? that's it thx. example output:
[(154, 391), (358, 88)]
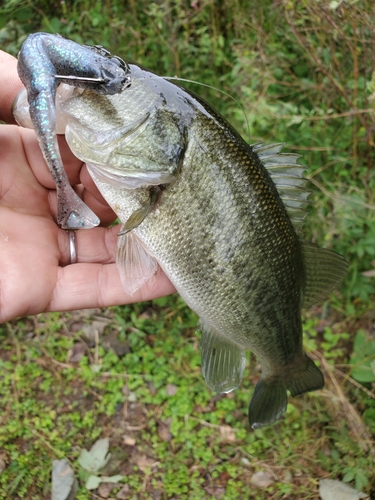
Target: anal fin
[(135, 265), (223, 362)]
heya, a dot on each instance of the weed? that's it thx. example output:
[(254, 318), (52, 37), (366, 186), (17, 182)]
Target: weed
[(303, 74)]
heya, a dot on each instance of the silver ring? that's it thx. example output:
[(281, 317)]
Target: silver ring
[(72, 246)]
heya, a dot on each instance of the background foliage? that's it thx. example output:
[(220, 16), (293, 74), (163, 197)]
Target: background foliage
[(300, 72)]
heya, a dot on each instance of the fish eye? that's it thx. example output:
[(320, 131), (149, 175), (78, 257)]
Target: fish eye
[(127, 83), (121, 63)]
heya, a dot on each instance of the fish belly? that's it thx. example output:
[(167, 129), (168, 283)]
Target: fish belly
[(223, 237)]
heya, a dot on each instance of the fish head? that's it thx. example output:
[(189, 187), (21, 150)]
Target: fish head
[(132, 139)]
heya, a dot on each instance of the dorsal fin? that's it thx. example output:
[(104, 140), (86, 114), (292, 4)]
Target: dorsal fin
[(324, 271), (287, 175)]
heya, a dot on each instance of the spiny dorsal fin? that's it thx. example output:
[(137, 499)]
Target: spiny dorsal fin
[(287, 175), (324, 268)]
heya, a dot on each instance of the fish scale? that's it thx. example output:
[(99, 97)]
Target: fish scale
[(223, 219), (203, 241)]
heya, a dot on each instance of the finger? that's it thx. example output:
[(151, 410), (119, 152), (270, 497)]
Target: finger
[(94, 199), (35, 158), (40, 168), (72, 164), (29, 263), (103, 211), (98, 284), (89, 192), (19, 188), (96, 245), (10, 85), (100, 207), (77, 174), (23, 164), (81, 286)]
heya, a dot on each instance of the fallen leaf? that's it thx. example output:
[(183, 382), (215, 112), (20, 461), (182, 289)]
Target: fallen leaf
[(288, 476), (93, 482), (224, 478), (96, 368), (128, 440), (215, 491), (331, 489), (90, 331), (227, 433), (262, 479), (144, 463), (112, 479), (64, 484), (164, 432), (171, 389), (105, 489), (97, 457), (123, 493), (369, 274), (75, 354), (111, 341)]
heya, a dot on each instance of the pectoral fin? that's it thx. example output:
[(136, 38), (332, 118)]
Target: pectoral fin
[(138, 216), (135, 265), (223, 362)]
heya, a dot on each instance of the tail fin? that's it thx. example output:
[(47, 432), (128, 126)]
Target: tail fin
[(270, 398), (268, 402), (310, 379)]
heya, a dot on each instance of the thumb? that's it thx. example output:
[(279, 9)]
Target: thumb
[(10, 85)]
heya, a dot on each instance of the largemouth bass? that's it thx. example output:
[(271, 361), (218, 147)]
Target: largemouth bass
[(222, 218)]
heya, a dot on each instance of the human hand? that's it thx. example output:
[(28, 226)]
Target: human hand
[(35, 270)]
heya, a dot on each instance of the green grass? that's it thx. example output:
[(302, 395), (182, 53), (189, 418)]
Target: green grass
[(189, 442), (300, 73)]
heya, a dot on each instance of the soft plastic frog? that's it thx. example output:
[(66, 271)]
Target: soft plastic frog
[(44, 62)]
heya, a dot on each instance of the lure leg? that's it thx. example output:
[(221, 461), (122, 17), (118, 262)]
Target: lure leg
[(45, 61)]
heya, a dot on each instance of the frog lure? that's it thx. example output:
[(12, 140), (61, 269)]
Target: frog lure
[(44, 62), (222, 218)]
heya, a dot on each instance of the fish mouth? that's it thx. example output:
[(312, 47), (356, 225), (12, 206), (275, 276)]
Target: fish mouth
[(128, 179)]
